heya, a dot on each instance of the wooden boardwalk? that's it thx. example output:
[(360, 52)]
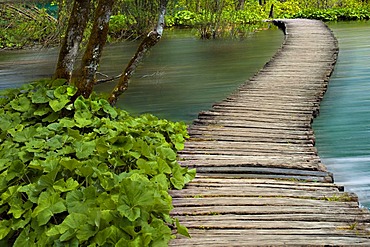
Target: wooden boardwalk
[(259, 179)]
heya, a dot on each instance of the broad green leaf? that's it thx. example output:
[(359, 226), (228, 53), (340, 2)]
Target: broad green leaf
[(25, 239), (85, 232), (163, 167), (71, 90), (25, 156), (178, 140), (39, 97), (190, 175), (182, 229), (74, 224), (110, 235), (108, 108), (149, 167), (4, 228), (64, 186), (55, 126), (56, 142), (58, 104), (51, 166), (32, 191), (74, 201), (105, 201), (70, 164), (68, 123), (131, 212), (84, 149), (46, 181), (51, 117), (83, 118), (48, 204), (18, 207), (166, 153), (59, 82), (15, 170), (85, 170), (35, 145), (9, 120), (21, 104), (61, 92), (67, 235), (4, 163), (177, 178), (81, 201), (22, 222), (80, 104), (162, 181), (23, 134)]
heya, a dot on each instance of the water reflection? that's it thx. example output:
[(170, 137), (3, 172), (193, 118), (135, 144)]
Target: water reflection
[(343, 127), (181, 76), (184, 75)]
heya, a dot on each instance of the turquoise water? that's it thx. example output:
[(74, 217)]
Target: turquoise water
[(181, 76), (343, 128), (184, 75)]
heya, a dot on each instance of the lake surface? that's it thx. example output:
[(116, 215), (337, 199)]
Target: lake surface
[(343, 128), (181, 76)]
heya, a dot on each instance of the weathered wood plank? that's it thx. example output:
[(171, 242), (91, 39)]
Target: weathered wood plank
[(259, 179), (316, 217), (255, 192)]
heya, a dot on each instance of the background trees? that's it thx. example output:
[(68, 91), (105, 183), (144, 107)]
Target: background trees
[(85, 76)]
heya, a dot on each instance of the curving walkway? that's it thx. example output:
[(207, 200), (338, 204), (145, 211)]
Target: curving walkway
[(259, 179)]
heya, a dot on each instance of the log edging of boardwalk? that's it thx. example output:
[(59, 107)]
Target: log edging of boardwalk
[(260, 181)]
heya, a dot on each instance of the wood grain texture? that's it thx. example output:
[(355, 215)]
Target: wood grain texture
[(260, 181)]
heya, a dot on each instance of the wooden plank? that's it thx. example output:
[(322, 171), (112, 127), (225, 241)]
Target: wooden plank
[(258, 201), (259, 179), (253, 192)]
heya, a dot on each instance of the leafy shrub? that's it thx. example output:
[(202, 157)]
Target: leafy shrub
[(186, 18), (121, 26), (335, 14), (84, 173), (23, 26)]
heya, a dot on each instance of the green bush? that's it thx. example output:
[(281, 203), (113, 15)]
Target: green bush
[(83, 172), (335, 14), (186, 18), (22, 26)]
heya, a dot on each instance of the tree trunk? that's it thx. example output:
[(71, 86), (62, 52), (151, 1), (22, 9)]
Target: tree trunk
[(91, 58), (240, 5), (71, 42), (149, 41)]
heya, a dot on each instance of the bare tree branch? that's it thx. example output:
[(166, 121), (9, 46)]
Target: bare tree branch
[(149, 41)]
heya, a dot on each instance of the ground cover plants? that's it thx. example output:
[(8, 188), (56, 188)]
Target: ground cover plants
[(79, 172)]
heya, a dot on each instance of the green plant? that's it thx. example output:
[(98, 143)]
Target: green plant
[(25, 26), (186, 18), (80, 172)]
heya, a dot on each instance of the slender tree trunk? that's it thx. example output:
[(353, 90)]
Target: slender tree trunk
[(240, 5), (149, 41), (91, 58), (70, 44)]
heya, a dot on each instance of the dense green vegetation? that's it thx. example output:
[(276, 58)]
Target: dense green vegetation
[(85, 172), (24, 25)]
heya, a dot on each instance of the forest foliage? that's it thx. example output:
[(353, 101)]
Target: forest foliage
[(25, 25)]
